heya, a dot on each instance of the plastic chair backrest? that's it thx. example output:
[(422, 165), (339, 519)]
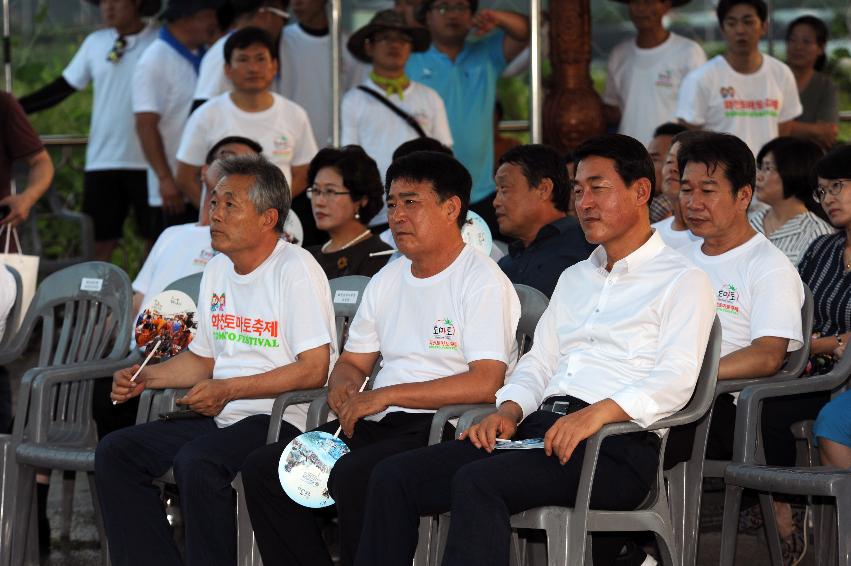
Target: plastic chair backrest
[(704, 390), (85, 311), (14, 312), (797, 361), (533, 303), (346, 294), (191, 285)]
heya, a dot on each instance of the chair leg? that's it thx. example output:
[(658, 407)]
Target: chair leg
[(67, 505), (104, 543), (730, 524), (843, 527), (24, 515), (8, 493), (824, 523), (772, 535), (424, 542), (442, 534), (667, 555), (560, 551)]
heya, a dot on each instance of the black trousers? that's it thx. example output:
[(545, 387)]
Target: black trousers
[(286, 532), (482, 490), (206, 459)]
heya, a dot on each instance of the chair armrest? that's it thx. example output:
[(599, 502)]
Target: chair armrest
[(317, 413), (285, 400), (34, 394), (444, 414), (735, 385), (748, 412), (473, 416)]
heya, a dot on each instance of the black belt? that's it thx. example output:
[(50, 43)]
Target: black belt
[(562, 404)]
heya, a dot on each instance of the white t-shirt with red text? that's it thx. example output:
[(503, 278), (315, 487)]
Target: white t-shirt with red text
[(718, 98), (254, 323)]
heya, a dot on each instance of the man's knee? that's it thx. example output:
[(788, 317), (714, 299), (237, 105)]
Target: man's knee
[(194, 464), (261, 464), (112, 449)]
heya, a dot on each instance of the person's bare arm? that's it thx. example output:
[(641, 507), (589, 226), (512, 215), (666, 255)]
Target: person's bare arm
[(308, 371), (38, 181), (147, 128), (823, 133), (763, 358), (476, 385), (348, 375), (181, 371), (137, 301), (188, 181), (299, 179), (515, 26)]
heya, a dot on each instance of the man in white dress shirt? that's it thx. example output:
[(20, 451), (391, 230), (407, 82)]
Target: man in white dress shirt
[(623, 339)]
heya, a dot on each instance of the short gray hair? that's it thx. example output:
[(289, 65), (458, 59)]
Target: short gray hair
[(270, 188)]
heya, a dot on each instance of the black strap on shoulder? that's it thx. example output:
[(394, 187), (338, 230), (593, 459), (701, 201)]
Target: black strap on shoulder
[(412, 122)]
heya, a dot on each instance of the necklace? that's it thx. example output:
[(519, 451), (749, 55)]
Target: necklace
[(347, 244)]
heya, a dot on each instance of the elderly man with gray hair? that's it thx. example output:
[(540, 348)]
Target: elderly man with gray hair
[(266, 326)]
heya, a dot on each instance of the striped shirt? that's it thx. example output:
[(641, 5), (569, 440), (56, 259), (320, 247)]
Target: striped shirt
[(796, 234), (823, 269)]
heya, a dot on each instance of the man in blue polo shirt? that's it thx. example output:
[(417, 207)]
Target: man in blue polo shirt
[(464, 72)]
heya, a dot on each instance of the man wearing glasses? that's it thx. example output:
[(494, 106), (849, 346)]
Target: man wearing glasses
[(268, 15), (388, 109), (252, 111), (464, 73)]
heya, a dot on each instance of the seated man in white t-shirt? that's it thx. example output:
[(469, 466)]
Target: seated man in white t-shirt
[(251, 110), (758, 292), (443, 318), (268, 329), (742, 91)]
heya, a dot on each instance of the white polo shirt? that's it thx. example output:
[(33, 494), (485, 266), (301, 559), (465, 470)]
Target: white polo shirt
[(164, 83), (113, 143), (211, 76)]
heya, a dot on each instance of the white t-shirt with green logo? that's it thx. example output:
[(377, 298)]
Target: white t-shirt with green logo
[(434, 327), (758, 292), (283, 130), (254, 323), (718, 98)]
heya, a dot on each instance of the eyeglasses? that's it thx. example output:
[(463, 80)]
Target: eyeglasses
[(118, 48), (315, 192), (275, 11), (833, 189), (444, 9)]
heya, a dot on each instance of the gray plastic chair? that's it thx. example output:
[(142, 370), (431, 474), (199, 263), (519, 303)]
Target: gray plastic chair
[(748, 471), (568, 529), (84, 336), (191, 285), (683, 478), (533, 303)]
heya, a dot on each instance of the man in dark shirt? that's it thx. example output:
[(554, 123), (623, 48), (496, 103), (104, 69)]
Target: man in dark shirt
[(531, 202)]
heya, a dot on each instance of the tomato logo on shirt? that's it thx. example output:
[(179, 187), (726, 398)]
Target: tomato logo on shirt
[(728, 92), (727, 299), (282, 146), (217, 303), (444, 335)]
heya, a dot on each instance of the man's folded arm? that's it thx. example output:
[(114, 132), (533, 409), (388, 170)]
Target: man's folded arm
[(310, 370)]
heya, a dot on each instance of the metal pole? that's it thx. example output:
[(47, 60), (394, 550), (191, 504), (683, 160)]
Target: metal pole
[(535, 75), (336, 12), (7, 47)]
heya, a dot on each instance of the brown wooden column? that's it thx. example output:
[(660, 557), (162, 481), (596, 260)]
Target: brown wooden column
[(573, 111)]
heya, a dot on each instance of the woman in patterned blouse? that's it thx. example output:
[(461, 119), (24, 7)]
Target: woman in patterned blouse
[(785, 180)]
